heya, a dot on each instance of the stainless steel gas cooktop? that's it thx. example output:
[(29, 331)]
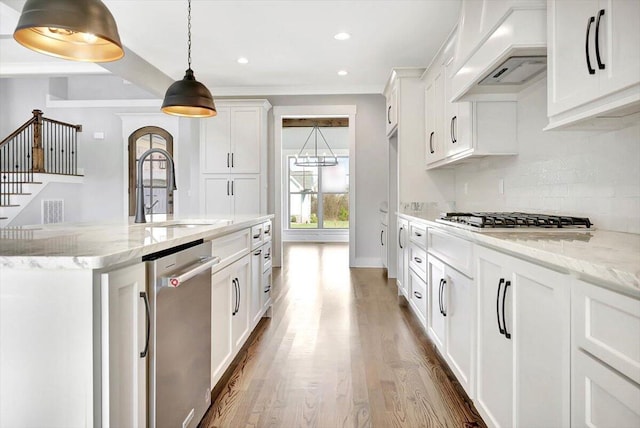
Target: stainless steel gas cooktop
[(514, 220)]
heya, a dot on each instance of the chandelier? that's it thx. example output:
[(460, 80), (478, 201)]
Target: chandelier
[(306, 158)]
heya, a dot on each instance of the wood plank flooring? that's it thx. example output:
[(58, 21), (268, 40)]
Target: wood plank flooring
[(340, 351)]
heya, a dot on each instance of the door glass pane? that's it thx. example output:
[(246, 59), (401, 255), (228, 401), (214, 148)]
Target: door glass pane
[(303, 211), (335, 179), (335, 207), (154, 173)]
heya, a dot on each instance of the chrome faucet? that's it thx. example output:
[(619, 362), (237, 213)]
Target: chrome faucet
[(171, 181)]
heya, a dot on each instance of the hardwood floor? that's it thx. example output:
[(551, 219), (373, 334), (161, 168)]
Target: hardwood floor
[(340, 351)]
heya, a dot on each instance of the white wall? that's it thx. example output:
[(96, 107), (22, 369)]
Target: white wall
[(592, 174)]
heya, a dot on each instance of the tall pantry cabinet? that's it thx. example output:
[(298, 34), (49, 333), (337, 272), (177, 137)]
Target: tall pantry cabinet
[(233, 159)]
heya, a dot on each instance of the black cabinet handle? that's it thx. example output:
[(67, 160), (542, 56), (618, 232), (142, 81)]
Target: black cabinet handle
[(143, 295), (228, 160), (417, 294), (418, 234), (235, 296), (267, 289), (381, 241), (232, 185), (417, 259), (431, 142), (455, 128), (600, 63), (239, 295), (389, 115), (451, 131), (400, 237), (257, 253), (267, 255), (256, 236), (504, 319), (444, 312), (440, 295), (232, 165), (228, 194), (586, 46), (498, 305)]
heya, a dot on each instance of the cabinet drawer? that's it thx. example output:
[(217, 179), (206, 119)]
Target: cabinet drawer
[(418, 295), (452, 250), (418, 234), (601, 397), (256, 236), (267, 230), (607, 325), (266, 256), (230, 247), (418, 260)]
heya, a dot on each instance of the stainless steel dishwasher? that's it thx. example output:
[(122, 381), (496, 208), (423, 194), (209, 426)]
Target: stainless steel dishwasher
[(180, 335)]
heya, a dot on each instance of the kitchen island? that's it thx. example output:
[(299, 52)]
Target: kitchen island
[(55, 285)]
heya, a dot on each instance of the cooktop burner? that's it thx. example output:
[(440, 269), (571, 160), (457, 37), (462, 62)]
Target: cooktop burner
[(516, 220)]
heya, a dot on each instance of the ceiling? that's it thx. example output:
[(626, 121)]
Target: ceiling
[(289, 44)]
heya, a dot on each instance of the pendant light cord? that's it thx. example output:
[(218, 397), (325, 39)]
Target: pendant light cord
[(189, 34)]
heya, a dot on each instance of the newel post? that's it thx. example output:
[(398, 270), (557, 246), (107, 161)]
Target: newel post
[(38, 150)]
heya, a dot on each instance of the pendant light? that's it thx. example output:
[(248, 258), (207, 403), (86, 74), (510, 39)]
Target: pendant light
[(188, 97), (315, 159), (70, 29)]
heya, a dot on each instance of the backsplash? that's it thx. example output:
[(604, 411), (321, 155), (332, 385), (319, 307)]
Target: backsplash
[(592, 174)]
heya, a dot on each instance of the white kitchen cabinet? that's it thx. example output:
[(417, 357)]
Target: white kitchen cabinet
[(523, 339), (392, 108), (124, 321), (605, 357), (233, 159), (255, 312), (403, 256), (240, 295), (267, 284), (593, 62), (230, 197), (451, 318), (457, 132), (434, 103), (418, 296), (222, 305)]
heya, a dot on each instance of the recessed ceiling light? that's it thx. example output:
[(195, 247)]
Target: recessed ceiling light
[(243, 60), (342, 36), (343, 73)]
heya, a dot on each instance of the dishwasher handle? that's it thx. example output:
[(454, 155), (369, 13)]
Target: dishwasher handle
[(177, 278)]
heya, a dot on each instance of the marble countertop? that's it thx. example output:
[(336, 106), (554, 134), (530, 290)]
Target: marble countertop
[(96, 245), (604, 257)]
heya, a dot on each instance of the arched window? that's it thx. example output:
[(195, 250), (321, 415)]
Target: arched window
[(157, 201)]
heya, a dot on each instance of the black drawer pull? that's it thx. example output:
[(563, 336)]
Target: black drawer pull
[(504, 319), (586, 46), (444, 312), (498, 305), (601, 65), (417, 294), (417, 259)]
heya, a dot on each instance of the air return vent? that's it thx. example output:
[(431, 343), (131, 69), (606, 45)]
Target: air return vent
[(52, 211)]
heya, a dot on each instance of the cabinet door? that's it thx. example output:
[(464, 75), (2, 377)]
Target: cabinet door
[(216, 142), (458, 304), (256, 286), (392, 108), (494, 391), (402, 256), (245, 140), (570, 83), (541, 336), (619, 43), (435, 316), (267, 283), (383, 245), (240, 292), (124, 384), (216, 197), (434, 99), (450, 113), (221, 309), (246, 195)]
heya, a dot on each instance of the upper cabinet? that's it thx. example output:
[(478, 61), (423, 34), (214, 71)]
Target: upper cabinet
[(593, 63), (392, 106)]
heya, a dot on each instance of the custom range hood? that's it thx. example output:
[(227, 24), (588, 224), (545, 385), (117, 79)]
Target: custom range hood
[(502, 49)]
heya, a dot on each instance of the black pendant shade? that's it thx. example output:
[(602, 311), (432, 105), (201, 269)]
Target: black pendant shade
[(188, 97), (79, 30)]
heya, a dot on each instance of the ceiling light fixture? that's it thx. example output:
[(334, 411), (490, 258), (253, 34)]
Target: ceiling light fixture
[(315, 160), (188, 97), (69, 29), (243, 60), (343, 73), (342, 36)]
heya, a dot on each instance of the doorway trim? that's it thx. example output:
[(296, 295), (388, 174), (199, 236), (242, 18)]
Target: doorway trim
[(280, 112)]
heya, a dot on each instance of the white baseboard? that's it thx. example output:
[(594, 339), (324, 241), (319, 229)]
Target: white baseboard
[(368, 262)]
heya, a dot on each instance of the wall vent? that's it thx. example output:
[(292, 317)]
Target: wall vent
[(52, 211)]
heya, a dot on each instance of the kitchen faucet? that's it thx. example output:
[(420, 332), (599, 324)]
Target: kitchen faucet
[(171, 181)]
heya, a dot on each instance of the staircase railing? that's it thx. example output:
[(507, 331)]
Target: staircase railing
[(40, 145)]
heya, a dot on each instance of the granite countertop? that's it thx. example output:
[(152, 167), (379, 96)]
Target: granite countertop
[(96, 245), (604, 257)]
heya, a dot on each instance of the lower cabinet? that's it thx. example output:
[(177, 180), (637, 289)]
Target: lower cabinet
[(523, 362), (605, 364), (229, 314), (124, 345), (256, 286), (451, 318), (403, 256), (417, 289)]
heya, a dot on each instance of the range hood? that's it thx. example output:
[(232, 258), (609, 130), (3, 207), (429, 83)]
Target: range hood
[(507, 58)]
